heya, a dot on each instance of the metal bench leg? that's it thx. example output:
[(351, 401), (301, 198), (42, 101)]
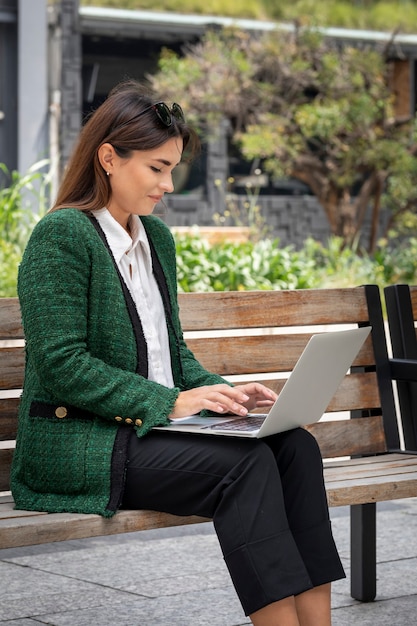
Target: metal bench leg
[(363, 551)]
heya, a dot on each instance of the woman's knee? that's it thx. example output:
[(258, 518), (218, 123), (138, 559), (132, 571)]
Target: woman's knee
[(297, 448), (258, 459), (300, 440)]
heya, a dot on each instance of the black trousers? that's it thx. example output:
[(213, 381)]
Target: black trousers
[(266, 498)]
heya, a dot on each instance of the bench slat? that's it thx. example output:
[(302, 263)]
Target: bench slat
[(10, 322), (413, 296), (382, 490), (357, 391), (34, 530), (349, 437), (367, 489), (371, 479), (223, 355), (5, 464), (12, 365), (7, 511), (8, 418), (300, 307), (384, 466)]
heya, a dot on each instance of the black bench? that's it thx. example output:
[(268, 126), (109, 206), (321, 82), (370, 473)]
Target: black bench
[(401, 303)]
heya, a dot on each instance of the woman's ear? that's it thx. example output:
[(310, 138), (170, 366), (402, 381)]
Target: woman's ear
[(106, 156)]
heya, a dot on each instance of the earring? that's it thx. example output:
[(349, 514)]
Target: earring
[(108, 173)]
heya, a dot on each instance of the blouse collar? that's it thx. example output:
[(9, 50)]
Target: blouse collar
[(118, 239)]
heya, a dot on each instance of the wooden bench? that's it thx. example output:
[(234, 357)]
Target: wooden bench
[(255, 335), (401, 303)]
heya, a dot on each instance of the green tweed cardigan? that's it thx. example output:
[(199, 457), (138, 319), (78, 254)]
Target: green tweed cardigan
[(83, 353)]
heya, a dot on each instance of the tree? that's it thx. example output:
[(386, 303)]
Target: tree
[(309, 109)]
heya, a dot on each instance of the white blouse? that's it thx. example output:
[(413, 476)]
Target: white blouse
[(133, 257)]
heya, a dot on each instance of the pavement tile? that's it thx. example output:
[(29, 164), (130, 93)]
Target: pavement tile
[(21, 622), (398, 612), (215, 608), (143, 568), (30, 593)]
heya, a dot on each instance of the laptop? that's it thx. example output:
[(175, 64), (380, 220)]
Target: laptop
[(304, 397)]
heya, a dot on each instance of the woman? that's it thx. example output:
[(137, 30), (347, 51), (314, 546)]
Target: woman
[(106, 362)]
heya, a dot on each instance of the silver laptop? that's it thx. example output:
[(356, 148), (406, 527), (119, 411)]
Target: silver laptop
[(304, 397)]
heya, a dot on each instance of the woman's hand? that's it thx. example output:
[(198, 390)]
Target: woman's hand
[(223, 399), (258, 394)]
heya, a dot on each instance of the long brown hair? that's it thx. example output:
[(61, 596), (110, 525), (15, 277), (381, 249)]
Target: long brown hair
[(85, 185)]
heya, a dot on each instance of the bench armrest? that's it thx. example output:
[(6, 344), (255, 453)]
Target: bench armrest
[(403, 369)]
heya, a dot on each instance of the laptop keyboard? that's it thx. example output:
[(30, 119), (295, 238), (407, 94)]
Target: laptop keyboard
[(254, 422)]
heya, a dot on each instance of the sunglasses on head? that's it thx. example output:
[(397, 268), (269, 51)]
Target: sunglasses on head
[(162, 111)]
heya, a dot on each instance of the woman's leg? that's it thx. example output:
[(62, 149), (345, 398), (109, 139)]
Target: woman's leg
[(301, 469), (299, 461), (311, 608), (314, 607), (281, 613), (236, 482)]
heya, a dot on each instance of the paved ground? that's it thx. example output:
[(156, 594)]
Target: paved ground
[(176, 577)]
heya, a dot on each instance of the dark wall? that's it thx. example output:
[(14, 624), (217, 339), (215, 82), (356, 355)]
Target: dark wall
[(8, 83)]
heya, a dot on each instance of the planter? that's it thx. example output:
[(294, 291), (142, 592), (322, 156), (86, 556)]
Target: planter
[(215, 234)]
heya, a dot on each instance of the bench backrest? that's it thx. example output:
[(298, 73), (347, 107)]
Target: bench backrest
[(401, 304), (258, 335)]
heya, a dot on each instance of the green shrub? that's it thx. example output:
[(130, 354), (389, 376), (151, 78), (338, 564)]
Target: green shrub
[(339, 266), (10, 255), (23, 201), (397, 263), (240, 266), (266, 265)]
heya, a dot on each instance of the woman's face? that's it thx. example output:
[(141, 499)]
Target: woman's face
[(139, 182)]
